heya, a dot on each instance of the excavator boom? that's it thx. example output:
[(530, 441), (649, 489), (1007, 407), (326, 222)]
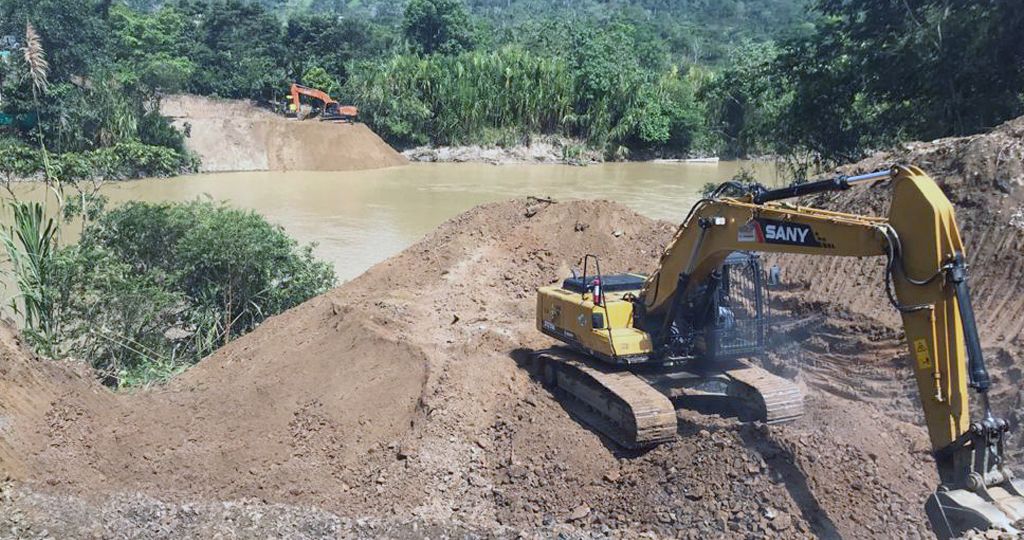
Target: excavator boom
[(672, 318)]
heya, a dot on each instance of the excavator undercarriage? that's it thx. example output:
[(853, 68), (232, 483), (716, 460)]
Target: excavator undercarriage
[(637, 408), (637, 347), (633, 398)]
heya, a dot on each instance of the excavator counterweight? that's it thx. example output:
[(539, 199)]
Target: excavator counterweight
[(635, 345)]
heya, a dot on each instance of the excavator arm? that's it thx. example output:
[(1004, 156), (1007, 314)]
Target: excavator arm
[(926, 281)]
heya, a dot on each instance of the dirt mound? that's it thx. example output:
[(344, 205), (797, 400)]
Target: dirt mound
[(231, 135)]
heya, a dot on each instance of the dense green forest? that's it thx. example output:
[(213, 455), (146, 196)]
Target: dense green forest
[(815, 80)]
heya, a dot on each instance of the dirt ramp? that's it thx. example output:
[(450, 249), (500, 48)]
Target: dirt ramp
[(233, 135)]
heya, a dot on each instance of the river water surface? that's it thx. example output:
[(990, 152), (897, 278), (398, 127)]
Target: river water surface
[(359, 218)]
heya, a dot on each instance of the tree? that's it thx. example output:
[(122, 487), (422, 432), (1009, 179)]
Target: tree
[(744, 101), (74, 36), (331, 43), (317, 77), (438, 26), (935, 67), (239, 49), (152, 49), (876, 71)]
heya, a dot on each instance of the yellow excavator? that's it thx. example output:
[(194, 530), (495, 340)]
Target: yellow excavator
[(634, 342)]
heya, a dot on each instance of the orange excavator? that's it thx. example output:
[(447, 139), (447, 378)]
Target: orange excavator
[(331, 110)]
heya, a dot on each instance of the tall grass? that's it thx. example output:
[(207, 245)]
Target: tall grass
[(39, 72), (511, 93), (35, 59), (31, 239), (459, 99), (30, 242)]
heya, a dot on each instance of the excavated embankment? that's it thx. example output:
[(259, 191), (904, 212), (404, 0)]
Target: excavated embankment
[(396, 406), (233, 135)]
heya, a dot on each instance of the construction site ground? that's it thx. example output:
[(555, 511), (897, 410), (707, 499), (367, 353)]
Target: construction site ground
[(399, 404)]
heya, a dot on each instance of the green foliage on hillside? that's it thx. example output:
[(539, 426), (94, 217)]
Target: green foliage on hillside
[(822, 79)]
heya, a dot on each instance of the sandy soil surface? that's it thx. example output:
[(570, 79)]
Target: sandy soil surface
[(232, 135), (397, 404)]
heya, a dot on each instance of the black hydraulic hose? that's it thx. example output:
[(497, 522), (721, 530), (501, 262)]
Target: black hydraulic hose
[(893, 264), (693, 210)]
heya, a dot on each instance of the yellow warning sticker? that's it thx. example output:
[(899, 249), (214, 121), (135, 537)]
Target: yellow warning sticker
[(924, 359)]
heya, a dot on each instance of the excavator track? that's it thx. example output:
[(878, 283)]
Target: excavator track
[(636, 410), (620, 405), (752, 392), (772, 399)]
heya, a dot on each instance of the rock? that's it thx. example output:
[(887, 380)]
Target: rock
[(617, 233), (1003, 185), (612, 476), (580, 226), (518, 471), (404, 452), (578, 513), (483, 443), (782, 522)]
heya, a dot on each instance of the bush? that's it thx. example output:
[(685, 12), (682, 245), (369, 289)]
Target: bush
[(130, 159), (152, 288)]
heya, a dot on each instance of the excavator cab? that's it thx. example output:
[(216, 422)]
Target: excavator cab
[(728, 313)]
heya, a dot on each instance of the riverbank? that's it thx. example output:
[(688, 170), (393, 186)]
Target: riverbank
[(545, 149)]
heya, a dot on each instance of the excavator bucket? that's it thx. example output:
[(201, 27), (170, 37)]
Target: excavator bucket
[(954, 512)]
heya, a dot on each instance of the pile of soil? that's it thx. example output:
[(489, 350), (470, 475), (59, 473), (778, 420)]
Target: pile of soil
[(231, 135), (399, 405)]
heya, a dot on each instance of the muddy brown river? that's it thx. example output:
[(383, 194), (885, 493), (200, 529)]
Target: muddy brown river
[(359, 218)]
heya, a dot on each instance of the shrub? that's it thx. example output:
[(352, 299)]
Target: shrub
[(152, 288)]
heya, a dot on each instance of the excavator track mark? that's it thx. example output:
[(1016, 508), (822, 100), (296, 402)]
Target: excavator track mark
[(617, 403)]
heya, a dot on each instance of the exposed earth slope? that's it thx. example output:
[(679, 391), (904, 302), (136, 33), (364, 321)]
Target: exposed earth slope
[(232, 135)]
